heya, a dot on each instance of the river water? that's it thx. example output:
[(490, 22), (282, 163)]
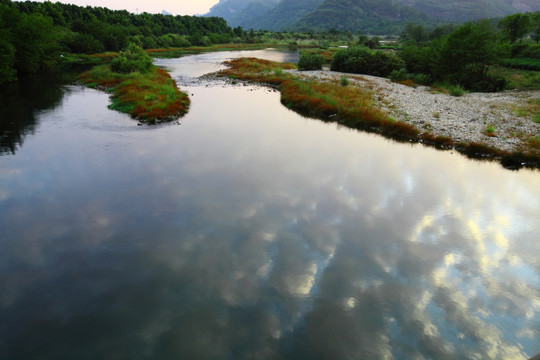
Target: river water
[(246, 231)]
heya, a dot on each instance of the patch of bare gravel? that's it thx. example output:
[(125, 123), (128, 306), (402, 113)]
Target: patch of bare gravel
[(463, 118)]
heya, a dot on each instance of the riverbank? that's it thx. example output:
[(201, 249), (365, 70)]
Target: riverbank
[(502, 123), (495, 126)]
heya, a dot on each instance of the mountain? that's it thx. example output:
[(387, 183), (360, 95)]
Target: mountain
[(524, 5), (370, 16), (285, 15), (228, 9), (464, 10), (255, 10), (241, 12)]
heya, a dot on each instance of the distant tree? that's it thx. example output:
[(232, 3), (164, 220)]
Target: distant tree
[(441, 31), (536, 26), (362, 38), (414, 33), (516, 26), (373, 42), (466, 55)]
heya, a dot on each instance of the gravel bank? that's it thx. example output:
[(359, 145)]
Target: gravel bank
[(464, 118)]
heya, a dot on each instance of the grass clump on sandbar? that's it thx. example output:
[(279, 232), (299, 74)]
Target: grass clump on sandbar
[(138, 87)]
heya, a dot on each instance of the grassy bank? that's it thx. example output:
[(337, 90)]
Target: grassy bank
[(354, 107), (151, 97)]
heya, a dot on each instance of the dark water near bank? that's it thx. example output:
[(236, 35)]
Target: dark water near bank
[(249, 232)]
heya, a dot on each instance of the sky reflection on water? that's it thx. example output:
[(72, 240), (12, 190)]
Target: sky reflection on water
[(250, 232)]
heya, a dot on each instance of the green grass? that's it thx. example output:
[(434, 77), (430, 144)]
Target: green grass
[(490, 130), (150, 97), (531, 110), (518, 79)]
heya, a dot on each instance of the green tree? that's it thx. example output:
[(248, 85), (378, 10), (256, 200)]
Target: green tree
[(467, 53), (516, 26), (414, 33), (7, 56), (132, 59), (362, 60), (536, 26)]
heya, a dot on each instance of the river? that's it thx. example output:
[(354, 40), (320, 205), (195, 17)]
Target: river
[(246, 231)]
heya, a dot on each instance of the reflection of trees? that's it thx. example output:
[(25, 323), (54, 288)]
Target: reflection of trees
[(20, 102)]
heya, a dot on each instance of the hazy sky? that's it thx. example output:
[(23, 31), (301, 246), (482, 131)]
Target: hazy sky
[(175, 7)]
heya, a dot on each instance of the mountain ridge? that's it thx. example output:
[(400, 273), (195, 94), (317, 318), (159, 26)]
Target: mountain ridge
[(369, 16)]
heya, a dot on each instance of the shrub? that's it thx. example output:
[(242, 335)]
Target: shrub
[(310, 61), (132, 59), (361, 60), (422, 79), (399, 75), (456, 90), (344, 81), (487, 84)]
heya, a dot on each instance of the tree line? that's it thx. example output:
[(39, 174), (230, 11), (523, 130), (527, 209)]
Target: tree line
[(462, 56), (33, 35), (465, 55)]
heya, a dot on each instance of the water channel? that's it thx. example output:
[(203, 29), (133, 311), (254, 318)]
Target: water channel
[(246, 231)]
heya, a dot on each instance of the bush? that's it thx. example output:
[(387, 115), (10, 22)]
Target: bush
[(399, 75), (310, 61), (422, 79), (489, 84), (132, 59), (361, 60), (456, 90)]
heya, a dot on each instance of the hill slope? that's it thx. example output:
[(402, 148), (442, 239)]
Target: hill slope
[(237, 12), (369, 16), (464, 10), (285, 15)]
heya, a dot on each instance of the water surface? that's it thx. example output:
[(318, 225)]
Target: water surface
[(248, 231)]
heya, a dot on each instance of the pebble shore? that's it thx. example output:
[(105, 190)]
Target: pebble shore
[(464, 119)]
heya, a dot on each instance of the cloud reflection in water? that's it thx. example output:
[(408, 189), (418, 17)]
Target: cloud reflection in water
[(266, 236)]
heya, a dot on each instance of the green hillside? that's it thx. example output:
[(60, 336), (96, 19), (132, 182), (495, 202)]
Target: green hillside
[(285, 15), (369, 16), (254, 10), (464, 10), (228, 9)]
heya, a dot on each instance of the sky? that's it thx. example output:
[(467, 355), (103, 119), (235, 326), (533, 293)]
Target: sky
[(175, 7)]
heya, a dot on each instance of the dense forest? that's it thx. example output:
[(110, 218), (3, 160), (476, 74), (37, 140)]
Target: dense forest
[(34, 35)]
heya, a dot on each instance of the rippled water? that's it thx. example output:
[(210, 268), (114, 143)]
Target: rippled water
[(250, 232)]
